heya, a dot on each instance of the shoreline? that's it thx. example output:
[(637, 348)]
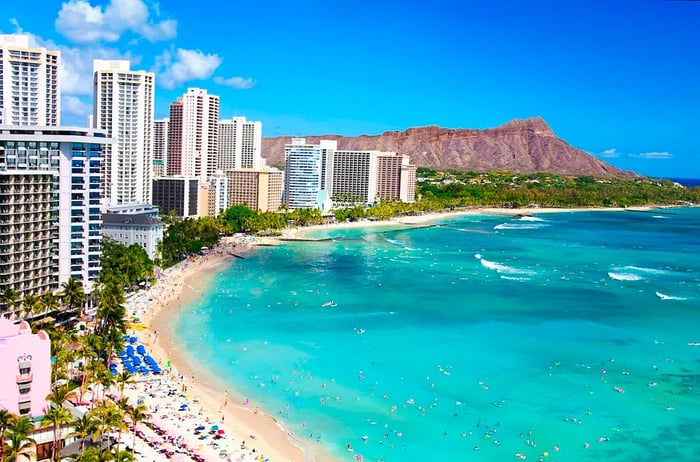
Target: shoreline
[(254, 430), (300, 233), (250, 429)]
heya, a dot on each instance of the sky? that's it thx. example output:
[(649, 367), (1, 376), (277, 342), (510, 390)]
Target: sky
[(618, 79)]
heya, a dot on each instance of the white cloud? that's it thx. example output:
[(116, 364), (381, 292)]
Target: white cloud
[(183, 66), (74, 106), (655, 155), (239, 83), (80, 22), (610, 153)]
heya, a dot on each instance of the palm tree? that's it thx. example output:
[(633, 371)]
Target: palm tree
[(18, 441), (137, 414), (6, 419), (56, 417), (30, 303), (50, 302), (123, 456), (123, 378), (84, 427), (8, 299), (72, 293)]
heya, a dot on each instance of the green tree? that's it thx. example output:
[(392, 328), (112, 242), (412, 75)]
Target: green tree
[(56, 417), (18, 443), (8, 299), (73, 294)]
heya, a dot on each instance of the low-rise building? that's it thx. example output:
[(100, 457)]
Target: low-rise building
[(134, 224), (25, 359)]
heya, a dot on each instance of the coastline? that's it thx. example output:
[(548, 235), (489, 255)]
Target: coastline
[(249, 429), (427, 218), (246, 426)]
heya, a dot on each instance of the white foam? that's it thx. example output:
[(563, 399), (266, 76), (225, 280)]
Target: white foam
[(625, 276), (511, 278), (668, 297), (529, 218), (477, 256), (520, 226), (499, 268), (642, 269), (658, 216)]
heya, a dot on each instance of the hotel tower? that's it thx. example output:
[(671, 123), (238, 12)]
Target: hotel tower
[(240, 144), (123, 107), (29, 84), (193, 135)]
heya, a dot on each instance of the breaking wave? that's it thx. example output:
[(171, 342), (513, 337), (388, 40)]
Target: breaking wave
[(668, 297)]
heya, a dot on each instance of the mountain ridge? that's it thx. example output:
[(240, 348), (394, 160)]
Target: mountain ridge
[(520, 145)]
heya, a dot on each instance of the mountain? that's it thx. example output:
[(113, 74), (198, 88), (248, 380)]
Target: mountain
[(521, 145)]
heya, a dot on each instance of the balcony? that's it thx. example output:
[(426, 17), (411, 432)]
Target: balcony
[(25, 378)]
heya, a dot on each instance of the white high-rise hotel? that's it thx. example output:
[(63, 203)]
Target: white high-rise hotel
[(240, 144), (50, 178), (29, 85), (123, 107)]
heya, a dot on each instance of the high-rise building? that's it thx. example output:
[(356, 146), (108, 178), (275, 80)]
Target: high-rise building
[(240, 144), (193, 135), (29, 84), (259, 189), (50, 197), (352, 177), (177, 195), (213, 195), (316, 173), (123, 107), (396, 178), (160, 146), (304, 181)]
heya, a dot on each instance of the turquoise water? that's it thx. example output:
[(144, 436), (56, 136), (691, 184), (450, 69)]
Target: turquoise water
[(483, 338)]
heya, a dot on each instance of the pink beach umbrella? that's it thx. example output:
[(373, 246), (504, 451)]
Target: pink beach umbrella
[(359, 458)]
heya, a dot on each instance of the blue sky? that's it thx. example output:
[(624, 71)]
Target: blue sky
[(618, 79)]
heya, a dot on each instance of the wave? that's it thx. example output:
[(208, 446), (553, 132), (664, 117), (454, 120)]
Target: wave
[(512, 278), (529, 218), (625, 276), (528, 225), (499, 268), (642, 269), (668, 297)]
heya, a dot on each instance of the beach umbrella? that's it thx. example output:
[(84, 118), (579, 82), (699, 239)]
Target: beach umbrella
[(141, 350), (137, 360), (200, 428), (133, 340), (220, 432), (214, 428)]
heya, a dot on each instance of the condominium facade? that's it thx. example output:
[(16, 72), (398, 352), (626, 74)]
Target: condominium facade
[(240, 144), (352, 177), (124, 107), (259, 189), (396, 178), (50, 193), (178, 195), (315, 173), (25, 359), (160, 146), (304, 181), (29, 83), (214, 195), (134, 224), (193, 135)]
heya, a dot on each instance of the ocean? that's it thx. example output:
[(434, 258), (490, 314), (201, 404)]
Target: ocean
[(571, 336)]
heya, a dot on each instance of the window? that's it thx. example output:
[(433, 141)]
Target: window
[(24, 388), (24, 407)]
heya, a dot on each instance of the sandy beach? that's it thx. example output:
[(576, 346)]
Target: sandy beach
[(245, 432)]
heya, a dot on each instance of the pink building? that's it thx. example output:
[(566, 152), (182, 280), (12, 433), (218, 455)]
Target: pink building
[(25, 362)]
